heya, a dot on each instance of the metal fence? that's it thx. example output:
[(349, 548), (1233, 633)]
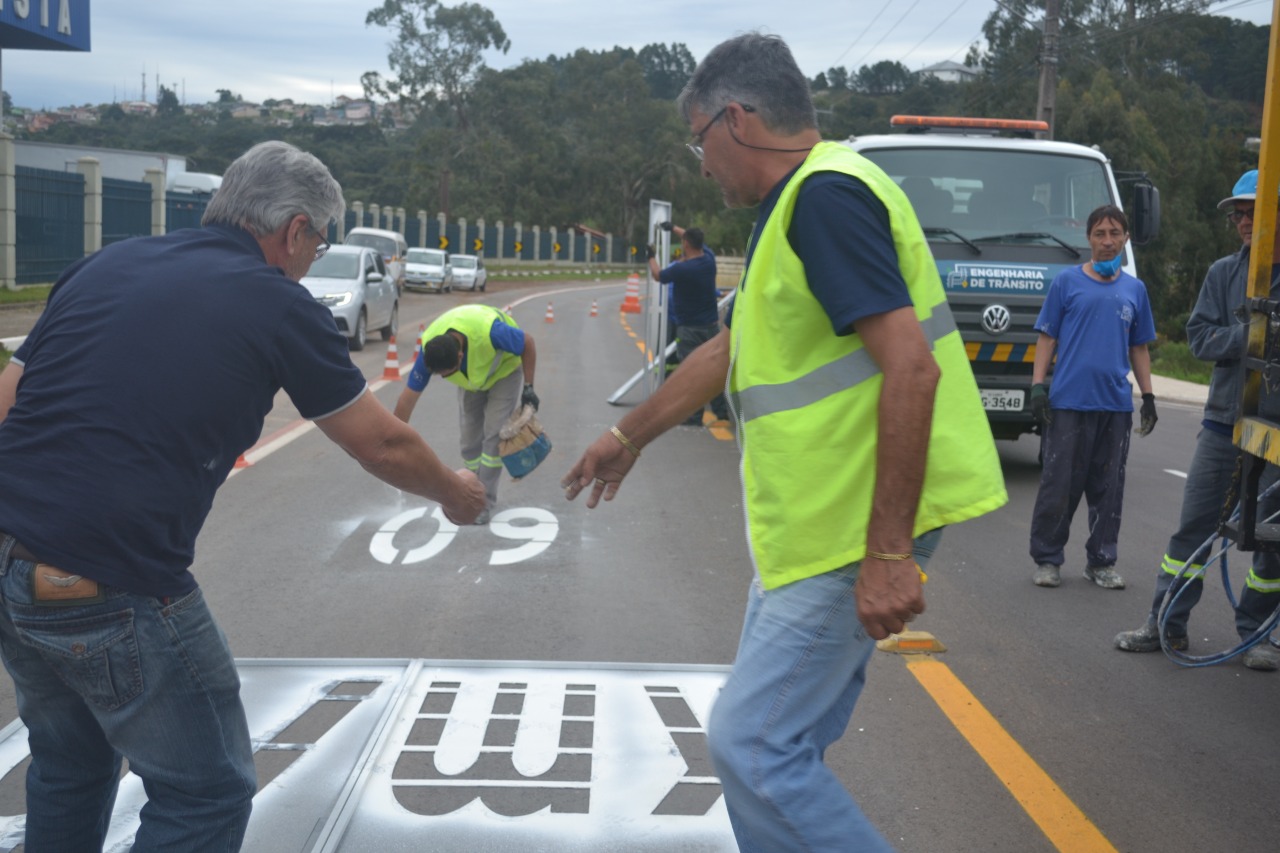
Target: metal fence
[(51, 226), (126, 210), (50, 223)]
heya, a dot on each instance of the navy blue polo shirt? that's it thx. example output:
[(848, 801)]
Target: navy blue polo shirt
[(148, 374), (693, 292), (840, 231)]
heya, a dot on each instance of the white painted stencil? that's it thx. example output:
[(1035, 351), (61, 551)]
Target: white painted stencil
[(465, 756)]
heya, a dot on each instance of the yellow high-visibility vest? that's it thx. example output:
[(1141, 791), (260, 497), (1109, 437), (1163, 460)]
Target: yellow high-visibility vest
[(808, 400), (485, 363)]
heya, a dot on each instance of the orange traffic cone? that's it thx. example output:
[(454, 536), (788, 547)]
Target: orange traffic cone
[(594, 312), (631, 304), (551, 317), (391, 370), (242, 462), (417, 342)]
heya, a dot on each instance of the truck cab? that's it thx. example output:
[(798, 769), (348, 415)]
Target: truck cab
[(1003, 215)]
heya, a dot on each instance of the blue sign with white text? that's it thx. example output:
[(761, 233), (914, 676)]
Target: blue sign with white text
[(44, 24)]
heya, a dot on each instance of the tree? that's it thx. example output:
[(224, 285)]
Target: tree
[(838, 78), (226, 97), (666, 69), (883, 78), (167, 104), (437, 51)]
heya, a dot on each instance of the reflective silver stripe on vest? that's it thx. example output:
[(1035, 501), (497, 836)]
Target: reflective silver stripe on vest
[(840, 375)]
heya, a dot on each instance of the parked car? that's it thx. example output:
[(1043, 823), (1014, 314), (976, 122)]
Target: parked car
[(353, 282), (389, 244), (427, 269), (467, 272)]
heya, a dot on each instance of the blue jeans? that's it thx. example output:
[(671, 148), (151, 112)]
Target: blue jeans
[(130, 677), (801, 665)]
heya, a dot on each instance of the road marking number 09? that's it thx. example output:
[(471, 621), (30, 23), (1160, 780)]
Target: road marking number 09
[(537, 536)]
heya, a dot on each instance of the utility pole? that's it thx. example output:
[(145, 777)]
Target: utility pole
[(1045, 106)]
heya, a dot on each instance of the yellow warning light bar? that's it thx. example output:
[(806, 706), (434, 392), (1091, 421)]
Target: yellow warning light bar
[(961, 123)]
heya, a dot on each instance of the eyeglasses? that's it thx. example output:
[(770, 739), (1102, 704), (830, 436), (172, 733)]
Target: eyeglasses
[(696, 146), (1235, 217), (324, 244)]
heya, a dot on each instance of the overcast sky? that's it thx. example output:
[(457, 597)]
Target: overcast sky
[(311, 51)]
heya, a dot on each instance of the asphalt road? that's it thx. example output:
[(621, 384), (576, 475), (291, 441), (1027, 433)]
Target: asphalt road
[(1033, 733)]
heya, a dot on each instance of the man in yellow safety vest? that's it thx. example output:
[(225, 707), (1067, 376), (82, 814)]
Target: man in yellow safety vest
[(839, 333)]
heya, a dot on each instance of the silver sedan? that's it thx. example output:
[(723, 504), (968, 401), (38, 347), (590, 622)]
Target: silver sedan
[(353, 282)]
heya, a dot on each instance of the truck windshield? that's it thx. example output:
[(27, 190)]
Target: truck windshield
[(987, 195)]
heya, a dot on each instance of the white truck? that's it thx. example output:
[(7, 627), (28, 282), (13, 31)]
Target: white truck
[(1004, 212)]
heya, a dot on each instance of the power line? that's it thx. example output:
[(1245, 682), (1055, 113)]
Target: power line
[(887, 33), (903, 60), (863, 33)]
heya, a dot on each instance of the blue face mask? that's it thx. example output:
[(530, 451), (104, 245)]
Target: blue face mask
[(1107, 269)]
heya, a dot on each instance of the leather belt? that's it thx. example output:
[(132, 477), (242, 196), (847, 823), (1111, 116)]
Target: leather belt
[(20, 552)]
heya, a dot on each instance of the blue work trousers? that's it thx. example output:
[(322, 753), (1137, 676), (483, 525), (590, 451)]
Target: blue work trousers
[(1208, 483), (801, 665), (1084, 455), (129, 677)]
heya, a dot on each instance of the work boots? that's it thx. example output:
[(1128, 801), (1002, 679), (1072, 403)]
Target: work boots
[(1047, 574), (1147, 639), (1104, 576), (1262, 657)]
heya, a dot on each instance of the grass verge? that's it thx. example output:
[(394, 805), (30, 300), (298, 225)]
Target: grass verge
[(1174, 360), (35, 293)]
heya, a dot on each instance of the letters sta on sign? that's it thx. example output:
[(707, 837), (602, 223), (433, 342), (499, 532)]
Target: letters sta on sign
[(44, 24)]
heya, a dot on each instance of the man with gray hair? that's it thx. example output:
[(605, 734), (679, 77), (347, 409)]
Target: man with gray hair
[(111, 451), (839, 335)]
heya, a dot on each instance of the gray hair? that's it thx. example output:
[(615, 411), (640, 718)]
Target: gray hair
[(756, 70), (270, 184)]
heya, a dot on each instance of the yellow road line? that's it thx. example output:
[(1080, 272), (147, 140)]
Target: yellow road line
[(1052, 810)]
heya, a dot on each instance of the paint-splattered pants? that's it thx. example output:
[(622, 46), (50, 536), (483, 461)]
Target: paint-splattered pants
[(1084, 454), (481, 415)]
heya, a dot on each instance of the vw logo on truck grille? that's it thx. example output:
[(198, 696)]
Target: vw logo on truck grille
[(995, 319)]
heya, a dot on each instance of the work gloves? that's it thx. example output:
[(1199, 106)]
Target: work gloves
[(528, 397), (665, 226), (1148, 415), (1039, 403), (649, 253)]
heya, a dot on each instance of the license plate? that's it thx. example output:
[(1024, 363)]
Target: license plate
[(1002, 401)]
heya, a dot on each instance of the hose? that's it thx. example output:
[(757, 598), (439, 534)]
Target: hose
[(1181, 582)]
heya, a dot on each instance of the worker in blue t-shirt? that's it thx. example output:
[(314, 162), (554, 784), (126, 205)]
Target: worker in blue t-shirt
[(693, 301), (1098, 319)]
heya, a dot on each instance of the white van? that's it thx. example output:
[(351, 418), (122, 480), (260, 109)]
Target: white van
[(390, 244), (196, 183)]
